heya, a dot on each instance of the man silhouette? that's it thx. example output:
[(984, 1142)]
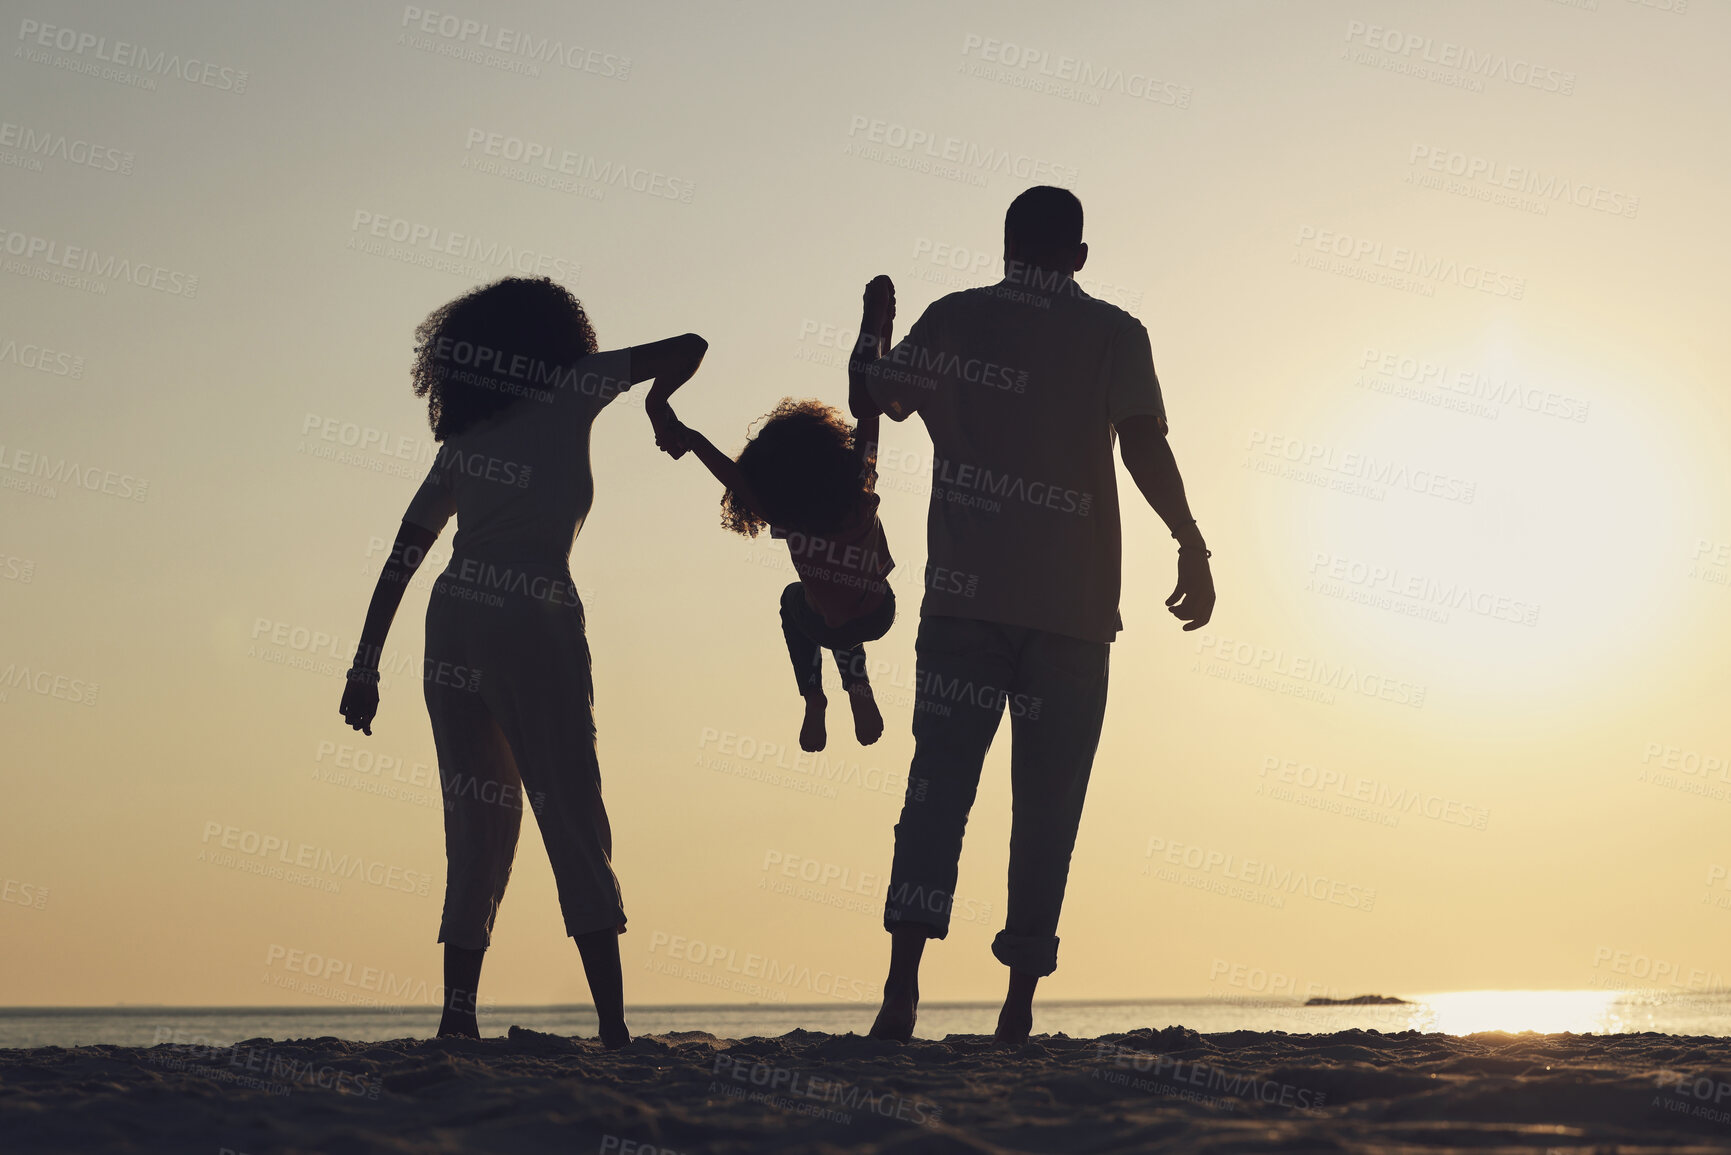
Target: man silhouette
[(1023, 386)]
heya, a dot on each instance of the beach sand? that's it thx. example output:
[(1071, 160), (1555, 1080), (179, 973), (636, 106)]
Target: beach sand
[(1171, 1090)]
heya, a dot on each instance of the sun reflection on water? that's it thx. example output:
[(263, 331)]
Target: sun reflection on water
[(1548, 1012)]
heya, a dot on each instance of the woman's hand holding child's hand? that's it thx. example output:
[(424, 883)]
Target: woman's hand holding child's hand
[(669, 432)]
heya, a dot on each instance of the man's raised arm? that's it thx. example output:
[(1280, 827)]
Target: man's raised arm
[(1148, 457), (874, 383)]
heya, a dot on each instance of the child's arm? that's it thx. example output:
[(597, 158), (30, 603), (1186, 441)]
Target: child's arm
[(726, 470), (865, 442)]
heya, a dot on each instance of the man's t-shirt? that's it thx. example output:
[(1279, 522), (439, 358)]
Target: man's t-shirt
[(519, 481), (1020, 390)]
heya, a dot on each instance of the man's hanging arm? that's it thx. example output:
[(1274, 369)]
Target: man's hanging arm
[(1148, 457)]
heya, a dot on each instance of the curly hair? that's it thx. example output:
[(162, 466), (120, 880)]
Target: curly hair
[(495, 345), (803, 469)]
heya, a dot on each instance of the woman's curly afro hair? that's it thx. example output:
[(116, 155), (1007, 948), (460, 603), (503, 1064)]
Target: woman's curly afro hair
[(803, 467), (494, 345)]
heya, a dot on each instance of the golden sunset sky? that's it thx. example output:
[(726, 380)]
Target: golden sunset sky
[(1436, 295)]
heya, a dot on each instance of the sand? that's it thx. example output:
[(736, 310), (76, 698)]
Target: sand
[(1171, 1090)]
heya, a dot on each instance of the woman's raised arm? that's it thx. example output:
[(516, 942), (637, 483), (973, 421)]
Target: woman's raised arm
[(671, 363)]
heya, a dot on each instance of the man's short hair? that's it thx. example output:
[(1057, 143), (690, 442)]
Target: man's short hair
[(1044, 219)]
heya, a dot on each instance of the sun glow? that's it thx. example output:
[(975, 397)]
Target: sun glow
[(1547, 1012)]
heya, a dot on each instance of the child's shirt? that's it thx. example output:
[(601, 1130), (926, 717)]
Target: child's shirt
[(844, 572)]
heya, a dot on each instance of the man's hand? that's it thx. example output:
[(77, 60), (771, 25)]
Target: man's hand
[(1192, 599), (360, 706), (880, 310), (669, 432)]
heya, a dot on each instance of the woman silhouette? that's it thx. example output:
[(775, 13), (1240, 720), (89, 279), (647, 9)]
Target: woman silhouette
[(513, 384)]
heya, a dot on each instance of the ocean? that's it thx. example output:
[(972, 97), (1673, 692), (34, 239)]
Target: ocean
[(1452, 1013)]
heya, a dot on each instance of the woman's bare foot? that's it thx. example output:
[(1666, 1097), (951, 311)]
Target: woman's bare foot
[(600, 951), (812, 735), (457, 1025), (868, 723), (901, 1010), (462, 979)]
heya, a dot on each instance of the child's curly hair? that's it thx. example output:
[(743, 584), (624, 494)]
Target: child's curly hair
[(493, 345), (804, 470)]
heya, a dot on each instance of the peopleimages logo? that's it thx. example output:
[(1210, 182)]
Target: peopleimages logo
[(45, 473), (39, 143), (36, 35), (975, 486), (1041, 71), (1396, 800), (776, 972), (48, 684), (40, 358), (1371, 256), (1546, 187), (85, 260), (582, 166), (1472, 63), (1473, 385), (1261, 873), (256, 847), (938, 366), (1380, 578), (1305, 669), (1361, 469), (420, 236), (900, 138), (512, 42)]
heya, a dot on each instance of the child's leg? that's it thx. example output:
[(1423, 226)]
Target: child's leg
[(807, 658), (868, 723)]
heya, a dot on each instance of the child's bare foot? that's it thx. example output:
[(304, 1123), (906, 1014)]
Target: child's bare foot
[(868, 724), (811, 732)]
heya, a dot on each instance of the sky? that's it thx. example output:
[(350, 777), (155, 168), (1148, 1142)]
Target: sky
[(1435, 292)]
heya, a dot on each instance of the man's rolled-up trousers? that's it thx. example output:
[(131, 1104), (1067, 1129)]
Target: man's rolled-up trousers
[(968, 673)]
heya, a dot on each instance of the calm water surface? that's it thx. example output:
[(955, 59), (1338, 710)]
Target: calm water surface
[(1455, 1012)]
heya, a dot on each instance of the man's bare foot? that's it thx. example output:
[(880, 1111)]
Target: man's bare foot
[(868, 723), (811, 732), (1014, 1025), (615, 1036), (1016, 1019), (897, 1016)]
